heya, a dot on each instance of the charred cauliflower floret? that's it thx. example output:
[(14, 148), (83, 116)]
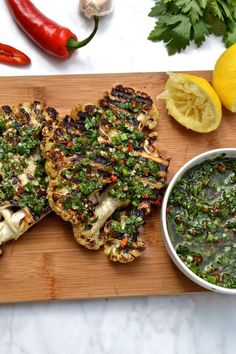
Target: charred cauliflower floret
[(23, 187), (105, 171)]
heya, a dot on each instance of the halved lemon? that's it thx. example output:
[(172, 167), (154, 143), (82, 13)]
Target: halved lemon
[(193, 102), (224, 78)]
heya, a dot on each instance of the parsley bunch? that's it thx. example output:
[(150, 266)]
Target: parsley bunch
[(182, 21)]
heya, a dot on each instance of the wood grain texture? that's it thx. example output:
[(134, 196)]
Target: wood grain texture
[(46, 263)]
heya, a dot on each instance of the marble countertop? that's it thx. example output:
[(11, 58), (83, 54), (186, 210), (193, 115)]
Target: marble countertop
[(189, 324)]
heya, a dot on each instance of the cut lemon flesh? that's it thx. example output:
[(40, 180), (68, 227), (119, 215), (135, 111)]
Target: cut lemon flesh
[(224, 78), (192, 101)]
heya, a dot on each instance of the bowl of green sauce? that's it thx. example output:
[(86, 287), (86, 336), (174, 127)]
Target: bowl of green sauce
[(199, 220)]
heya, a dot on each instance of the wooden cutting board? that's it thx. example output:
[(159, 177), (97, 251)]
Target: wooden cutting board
[(46, 263)]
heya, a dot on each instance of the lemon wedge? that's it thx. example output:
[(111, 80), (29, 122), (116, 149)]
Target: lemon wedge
[(192, 101), (224, 78)]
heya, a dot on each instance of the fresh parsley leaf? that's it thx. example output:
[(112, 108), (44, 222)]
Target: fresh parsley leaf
[(215, 25), (158, 32), (200, 31), (230, 37), (192, 8), (157, 10), (175, 31), (182, 21), (216, 10)]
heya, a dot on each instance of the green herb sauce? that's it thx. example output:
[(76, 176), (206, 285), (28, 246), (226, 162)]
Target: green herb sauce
[(201, 219)]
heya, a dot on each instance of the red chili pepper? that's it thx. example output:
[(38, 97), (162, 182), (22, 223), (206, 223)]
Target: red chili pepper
[(145, 196), (124, 242), (53, 38), (69, 144), (12, 56)]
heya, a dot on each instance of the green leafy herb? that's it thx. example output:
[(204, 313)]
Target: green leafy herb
[(182, 21)]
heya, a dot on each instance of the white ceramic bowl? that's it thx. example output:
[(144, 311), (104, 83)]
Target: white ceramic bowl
[(209, 155)]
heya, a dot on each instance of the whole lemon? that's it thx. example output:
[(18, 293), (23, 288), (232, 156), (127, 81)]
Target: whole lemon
[(224, 78)]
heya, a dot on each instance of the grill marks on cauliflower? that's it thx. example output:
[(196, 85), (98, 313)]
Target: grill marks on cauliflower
[(23, 199), (105, 172), (65, 139)]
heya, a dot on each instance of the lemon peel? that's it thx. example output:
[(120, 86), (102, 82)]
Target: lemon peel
[(224, 78), (193, 102)]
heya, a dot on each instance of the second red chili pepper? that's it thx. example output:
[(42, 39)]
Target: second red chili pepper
[(53, 38), (12, 56)]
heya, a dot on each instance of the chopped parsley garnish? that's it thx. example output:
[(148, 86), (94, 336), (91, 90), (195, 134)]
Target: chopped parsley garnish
[(17, 145), (127, 227)]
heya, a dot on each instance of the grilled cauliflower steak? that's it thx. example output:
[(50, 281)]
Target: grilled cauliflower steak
[(65, 139), (105, 172), (23, 188)]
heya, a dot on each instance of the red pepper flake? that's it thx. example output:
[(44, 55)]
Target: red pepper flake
[(130, 147), (70, 143), (124, 242), (221, 168), (21, 190), (213, 270), (214, 209), (145, 196), (58, 156), (113, 178), (113, 159), (218, 277), (122, 162), (197, 259)]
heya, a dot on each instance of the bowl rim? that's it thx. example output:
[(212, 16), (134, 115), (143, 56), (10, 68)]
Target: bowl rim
[(198, 159)]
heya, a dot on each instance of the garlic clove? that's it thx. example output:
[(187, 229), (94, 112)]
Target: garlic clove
[(92, 8)]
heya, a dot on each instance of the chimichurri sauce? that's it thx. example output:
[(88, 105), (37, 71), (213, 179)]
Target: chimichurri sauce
[(201, 220)]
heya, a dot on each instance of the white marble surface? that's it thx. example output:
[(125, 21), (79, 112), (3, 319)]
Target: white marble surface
[(198, 324)]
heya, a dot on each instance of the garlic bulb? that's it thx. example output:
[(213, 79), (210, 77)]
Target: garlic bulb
[(92, 8)]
